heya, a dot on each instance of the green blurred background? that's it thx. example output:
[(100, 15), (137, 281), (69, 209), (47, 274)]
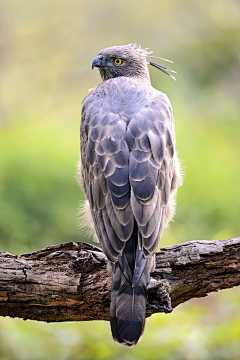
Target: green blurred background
[(47, 47)]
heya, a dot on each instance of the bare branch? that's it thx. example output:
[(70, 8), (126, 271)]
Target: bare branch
[(69, 282)]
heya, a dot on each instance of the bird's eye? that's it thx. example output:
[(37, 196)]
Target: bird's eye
[(118, 61)]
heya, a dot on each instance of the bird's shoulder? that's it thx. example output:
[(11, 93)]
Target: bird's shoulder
[(124, 96)]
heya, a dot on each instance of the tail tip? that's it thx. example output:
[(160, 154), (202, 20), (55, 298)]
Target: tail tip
[(125, 334)]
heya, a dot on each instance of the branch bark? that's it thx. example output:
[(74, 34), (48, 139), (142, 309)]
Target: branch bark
[(69, 282)]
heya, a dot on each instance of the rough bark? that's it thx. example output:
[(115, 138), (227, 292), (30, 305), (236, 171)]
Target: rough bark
[(69, 282)]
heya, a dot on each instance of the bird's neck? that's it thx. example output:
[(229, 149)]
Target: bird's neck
[(142, 74)]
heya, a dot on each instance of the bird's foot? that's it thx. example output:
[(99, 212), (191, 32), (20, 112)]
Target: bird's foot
[(158, 297)]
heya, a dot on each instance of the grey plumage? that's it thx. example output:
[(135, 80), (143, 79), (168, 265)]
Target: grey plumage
[(130, 173)]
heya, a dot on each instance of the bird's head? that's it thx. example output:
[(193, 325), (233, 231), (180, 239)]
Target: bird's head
[(126, 60)]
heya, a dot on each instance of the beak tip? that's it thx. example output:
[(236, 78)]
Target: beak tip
[(97, 62)]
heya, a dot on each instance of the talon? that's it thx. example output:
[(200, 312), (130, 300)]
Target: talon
[(153, 284)]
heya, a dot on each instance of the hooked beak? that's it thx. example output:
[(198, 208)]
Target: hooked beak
[(97, 62)]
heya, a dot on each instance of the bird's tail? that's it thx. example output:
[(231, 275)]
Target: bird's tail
[(128, 303)]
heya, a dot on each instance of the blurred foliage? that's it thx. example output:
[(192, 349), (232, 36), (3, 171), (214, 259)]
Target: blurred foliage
[(47, 47)]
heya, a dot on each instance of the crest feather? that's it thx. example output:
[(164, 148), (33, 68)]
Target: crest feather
[(146, 53)]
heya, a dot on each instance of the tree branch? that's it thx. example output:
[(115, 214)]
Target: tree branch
[(69, 282)]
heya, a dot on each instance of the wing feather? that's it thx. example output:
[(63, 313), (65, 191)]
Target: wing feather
[(127, 149)]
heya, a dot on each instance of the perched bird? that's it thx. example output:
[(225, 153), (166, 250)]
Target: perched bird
[(130, 173)]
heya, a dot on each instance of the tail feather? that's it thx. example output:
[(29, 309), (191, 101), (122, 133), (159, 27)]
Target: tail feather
[(116, 284), (128, 307)]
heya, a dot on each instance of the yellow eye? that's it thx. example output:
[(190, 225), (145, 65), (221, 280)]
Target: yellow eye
[(118, 61)]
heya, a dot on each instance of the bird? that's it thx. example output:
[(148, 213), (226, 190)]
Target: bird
[(130, 171)]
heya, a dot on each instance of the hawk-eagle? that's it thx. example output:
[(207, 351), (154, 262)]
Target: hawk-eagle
[(130, 173)]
